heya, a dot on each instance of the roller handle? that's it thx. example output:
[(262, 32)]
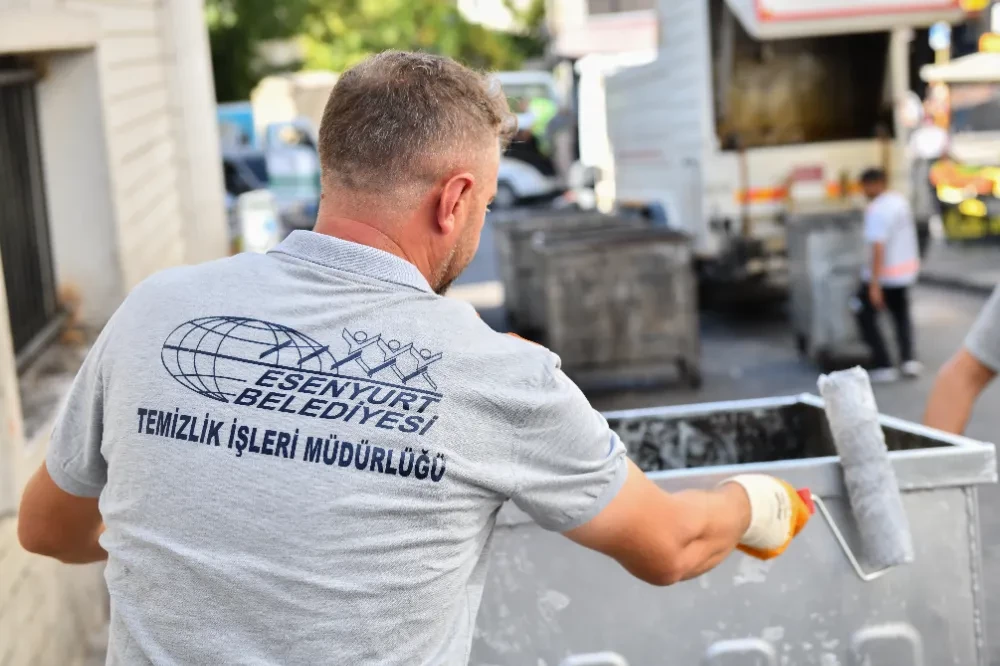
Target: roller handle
[(812, 501)]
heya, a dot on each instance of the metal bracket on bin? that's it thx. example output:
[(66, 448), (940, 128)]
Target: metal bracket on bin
[(862, 574)]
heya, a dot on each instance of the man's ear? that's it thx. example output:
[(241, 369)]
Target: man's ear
[(454, 195)]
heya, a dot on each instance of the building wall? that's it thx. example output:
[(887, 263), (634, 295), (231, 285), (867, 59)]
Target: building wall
[(133, 186), (577, 33)]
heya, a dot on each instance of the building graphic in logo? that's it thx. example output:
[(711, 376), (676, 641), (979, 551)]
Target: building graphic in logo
[(216, 356)]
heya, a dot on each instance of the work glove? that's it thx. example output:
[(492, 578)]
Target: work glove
[(778, 513)]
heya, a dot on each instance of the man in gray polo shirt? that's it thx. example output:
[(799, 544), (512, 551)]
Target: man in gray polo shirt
[(298, 457), (967, 374)]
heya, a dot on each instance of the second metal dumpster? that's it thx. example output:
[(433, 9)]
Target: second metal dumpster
[(513, 234), (825, 258), (549, 601), (620, 306)]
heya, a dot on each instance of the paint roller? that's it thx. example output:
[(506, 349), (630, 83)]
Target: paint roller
[(872, 489)]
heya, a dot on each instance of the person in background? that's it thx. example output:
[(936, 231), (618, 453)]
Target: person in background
[(966, 375), (892, 266)]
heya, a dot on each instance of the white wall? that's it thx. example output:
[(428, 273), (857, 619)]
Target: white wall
[(78, 184), (576, 33), (11, 429), (192, 97), (491, 13)]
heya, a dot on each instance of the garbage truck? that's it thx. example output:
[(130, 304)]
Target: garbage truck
[(756, 107)]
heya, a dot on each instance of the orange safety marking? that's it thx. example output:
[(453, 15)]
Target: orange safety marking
[(901, 270), (772, 194)]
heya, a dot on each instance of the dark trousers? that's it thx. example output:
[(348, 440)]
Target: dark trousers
[(897, 302)]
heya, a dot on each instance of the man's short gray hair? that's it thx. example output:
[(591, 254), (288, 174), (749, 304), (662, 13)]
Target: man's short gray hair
[(397, 118)]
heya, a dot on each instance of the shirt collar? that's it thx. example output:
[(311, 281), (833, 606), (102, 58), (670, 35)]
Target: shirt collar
[(351, 257)]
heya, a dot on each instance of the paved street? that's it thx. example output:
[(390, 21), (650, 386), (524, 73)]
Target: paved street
[(971, 266), (750, 358)]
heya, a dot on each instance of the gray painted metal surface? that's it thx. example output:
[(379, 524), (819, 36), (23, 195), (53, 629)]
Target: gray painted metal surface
[(549, 601), (532, 317), (620, 306), (825, 257), (513, 233)]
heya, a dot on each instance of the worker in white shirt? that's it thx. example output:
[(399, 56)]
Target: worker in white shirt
[(892, 266)]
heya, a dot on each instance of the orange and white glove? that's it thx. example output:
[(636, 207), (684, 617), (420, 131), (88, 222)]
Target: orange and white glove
[(778, 513)]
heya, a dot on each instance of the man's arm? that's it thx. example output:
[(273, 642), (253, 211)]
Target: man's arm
[(665, 538), (571, 474), (875, 294), (967, 373), (662, 538), (958, 385), (55, 523)]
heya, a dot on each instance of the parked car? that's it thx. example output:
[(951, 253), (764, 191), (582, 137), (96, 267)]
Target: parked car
[(250, 169), (523, 183)]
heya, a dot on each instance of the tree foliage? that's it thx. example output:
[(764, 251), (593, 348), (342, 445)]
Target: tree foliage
[(336, 34)]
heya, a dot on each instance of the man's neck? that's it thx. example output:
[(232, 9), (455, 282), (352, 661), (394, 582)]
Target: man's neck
[(362, 233), (359, 232)]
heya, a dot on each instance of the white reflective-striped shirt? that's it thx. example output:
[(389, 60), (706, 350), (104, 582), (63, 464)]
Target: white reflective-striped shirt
[(889, 220)]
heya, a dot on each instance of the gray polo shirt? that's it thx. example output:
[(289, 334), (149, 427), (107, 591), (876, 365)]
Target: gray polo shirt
[(300, 457), (983, 340)]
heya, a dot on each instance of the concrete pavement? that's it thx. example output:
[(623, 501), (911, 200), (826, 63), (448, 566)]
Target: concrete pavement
[(974, 268)]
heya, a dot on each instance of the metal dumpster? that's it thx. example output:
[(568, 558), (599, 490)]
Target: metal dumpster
[(513, 236), (549, 601), (531, 314), (620, 306), (825, 257)]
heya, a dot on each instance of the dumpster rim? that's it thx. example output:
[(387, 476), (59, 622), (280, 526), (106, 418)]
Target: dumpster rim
[(810, 399), (933, 469), (962, 463)]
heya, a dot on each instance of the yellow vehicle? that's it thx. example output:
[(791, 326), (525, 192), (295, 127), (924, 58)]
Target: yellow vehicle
[(967, 181)]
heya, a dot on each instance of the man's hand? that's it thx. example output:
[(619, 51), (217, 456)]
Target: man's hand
[(779, 512), (875, 296), (664, 538)]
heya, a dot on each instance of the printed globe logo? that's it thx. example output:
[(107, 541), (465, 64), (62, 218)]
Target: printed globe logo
[(371, 384), (214, 356), (217, 356)]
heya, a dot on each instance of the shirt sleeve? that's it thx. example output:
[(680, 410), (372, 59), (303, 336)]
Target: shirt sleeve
[(569, 464), (74, 459), (983, 341), (878, 224)]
